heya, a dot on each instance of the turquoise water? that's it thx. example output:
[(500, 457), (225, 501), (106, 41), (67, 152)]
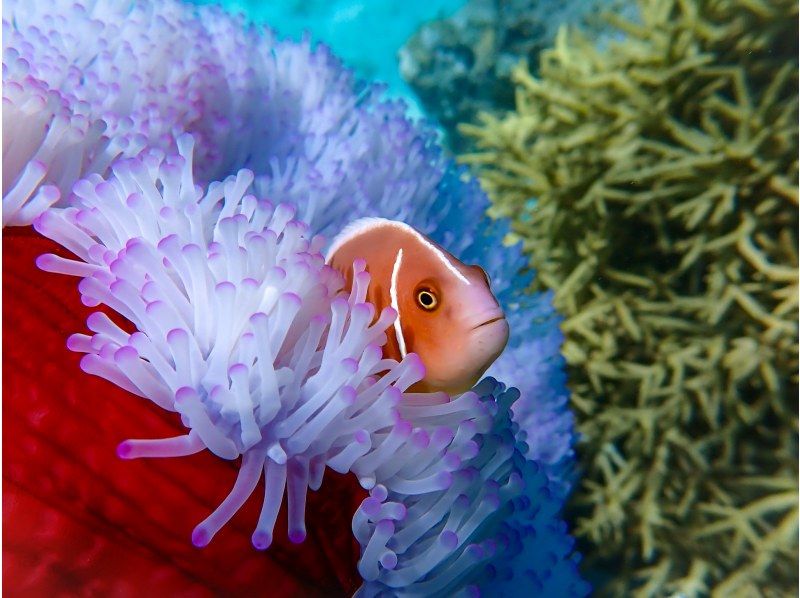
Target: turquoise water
[(365, 35)]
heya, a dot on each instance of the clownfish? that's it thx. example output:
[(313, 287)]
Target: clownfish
[(446, 312)]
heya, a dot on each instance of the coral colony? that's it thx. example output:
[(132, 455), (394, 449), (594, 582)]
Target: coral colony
[(665, 175), (461, 65), (124, 117)]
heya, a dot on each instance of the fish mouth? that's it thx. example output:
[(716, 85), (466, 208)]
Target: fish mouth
[(490, 321)]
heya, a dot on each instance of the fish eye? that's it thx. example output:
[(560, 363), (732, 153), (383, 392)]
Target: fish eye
[(427, 299)]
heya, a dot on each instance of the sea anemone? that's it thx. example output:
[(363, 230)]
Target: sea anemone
[(78, 520), (233, 320), (83, 85), (238, 329), (122, 76), (244, 332), (491, 528)]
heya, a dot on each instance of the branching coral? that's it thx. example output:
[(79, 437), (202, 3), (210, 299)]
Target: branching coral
[(655, 187)]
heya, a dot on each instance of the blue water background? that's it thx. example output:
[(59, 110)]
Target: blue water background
[(366, 35)]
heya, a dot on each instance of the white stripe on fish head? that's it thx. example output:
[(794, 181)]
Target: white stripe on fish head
[(362, 225), (398, 327), (438, 254)]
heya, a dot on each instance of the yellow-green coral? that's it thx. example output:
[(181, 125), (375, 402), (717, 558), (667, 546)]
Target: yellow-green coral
[(654, 184)]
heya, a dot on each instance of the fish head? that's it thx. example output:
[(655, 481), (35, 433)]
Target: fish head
[(450, 318), (446, 311)]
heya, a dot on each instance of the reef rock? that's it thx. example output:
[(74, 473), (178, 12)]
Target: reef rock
[(460, 66)]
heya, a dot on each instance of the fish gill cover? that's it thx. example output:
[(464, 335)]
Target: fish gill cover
[(654, 185), (239, 326)]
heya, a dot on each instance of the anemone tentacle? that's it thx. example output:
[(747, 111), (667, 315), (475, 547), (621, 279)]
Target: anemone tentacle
[(241, 329), (488, 526)]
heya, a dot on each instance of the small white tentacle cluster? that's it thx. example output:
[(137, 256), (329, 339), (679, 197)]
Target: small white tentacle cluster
[(62, 122), (460, 509), (43, 138), (241, 328)]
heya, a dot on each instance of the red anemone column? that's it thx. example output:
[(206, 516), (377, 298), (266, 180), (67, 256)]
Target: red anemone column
[(77, 520)]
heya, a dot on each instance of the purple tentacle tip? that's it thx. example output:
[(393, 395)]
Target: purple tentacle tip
[(388, 560), (444, 479), (420, 438), (74, 342), (452, 461), (371, 506), (125, 353), (261, 540), (296, 536), (416, 364), (403, 428), (183, 393), (449, 539), (200, 537), (124, 449), (292, 298), (44, 261), (379, 492), (476, 551), (348, 395)]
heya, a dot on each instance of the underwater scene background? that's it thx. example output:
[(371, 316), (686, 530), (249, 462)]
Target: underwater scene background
[(626, 172)]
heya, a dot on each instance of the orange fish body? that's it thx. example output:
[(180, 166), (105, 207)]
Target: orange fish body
[(447, 313)]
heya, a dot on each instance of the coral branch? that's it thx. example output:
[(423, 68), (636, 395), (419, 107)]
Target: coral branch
[(654, 185)]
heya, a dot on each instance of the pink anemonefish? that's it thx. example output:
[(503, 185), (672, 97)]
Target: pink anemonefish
[(446, 312)]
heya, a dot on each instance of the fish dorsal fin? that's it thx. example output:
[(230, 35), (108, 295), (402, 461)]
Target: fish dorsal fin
[(362, 225), (355, 228)]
